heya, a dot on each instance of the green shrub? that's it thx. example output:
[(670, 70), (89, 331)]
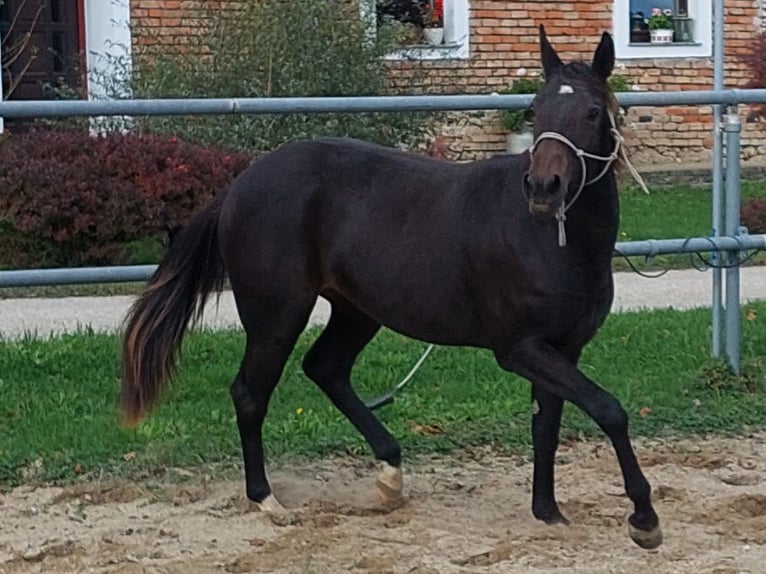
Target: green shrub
[(517, 120), (272, 48)]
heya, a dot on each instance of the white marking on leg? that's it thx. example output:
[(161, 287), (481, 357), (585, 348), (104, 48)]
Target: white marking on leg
[(566, 89), (390, 483), (270, 504)]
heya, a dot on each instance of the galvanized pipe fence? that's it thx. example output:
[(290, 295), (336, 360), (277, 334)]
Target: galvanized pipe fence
[(733, 241)]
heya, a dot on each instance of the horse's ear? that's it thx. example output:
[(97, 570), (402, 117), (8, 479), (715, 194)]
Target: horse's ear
[(548, 56), (603, 59)]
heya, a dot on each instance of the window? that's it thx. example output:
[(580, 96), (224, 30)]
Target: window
[(454, 19), (691, 23)]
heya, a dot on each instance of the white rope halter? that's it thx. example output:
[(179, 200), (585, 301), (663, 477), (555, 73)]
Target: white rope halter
[(619, 150)]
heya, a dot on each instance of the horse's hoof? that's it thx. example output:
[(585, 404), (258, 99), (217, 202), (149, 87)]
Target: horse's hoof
[(389, 484), (646, 539), (554, 518), (270, 504)]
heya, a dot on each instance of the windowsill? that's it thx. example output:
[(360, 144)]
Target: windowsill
[(447, 51), (654, 46), (675, 50)]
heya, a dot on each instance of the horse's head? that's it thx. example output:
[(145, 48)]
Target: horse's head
[(576, 139)]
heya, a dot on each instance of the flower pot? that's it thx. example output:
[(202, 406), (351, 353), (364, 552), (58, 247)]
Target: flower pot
[(519, 142), (683, 26), (434, 36), (661, 36)]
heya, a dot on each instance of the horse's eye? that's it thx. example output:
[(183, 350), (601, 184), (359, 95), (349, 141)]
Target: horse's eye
[(593, 114), (529, 113)]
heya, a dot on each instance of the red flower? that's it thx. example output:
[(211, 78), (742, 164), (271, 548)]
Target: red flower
[(433, 12)]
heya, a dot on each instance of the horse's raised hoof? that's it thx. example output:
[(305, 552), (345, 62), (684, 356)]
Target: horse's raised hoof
[(646, 539), (270, 504), (390, 484)]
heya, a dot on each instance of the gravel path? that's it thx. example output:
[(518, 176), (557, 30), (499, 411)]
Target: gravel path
[(682, 289)]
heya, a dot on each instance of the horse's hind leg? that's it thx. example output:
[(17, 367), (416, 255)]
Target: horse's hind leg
[(272, 331), (328, 363)]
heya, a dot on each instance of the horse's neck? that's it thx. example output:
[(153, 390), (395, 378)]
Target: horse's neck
[(593, 220)]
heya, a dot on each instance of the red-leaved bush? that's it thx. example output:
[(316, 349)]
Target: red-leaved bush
[(753, 215), (81, 198), (755, 60)]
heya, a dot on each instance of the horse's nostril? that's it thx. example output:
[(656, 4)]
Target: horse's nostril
[(527, 184), (553, 185)]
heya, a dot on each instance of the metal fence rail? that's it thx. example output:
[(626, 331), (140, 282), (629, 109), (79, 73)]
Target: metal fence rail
[(222, 106), (129, 273)]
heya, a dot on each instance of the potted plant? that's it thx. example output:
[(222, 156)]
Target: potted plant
[(517, 121), (433, 22), (660, 26)]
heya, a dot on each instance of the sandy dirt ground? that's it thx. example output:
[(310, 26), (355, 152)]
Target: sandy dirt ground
[(464, 513)]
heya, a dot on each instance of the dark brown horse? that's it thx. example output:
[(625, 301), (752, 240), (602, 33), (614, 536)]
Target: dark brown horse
[(511, 254)]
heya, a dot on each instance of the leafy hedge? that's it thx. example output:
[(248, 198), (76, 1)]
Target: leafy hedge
[(69, 198), (273, 48), (755, 59)]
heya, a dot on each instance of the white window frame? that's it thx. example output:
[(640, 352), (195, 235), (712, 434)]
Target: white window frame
[(107, 39), (699, 10), (456, 33)]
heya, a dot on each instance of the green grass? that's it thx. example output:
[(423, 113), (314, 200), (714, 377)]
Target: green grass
[(675, 211), (671, 212), (58, 398)]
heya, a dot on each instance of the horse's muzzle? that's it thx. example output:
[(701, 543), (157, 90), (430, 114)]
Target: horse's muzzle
[(544, 194)]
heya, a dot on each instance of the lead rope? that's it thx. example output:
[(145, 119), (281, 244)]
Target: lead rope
[(617, 153), (389, 396)]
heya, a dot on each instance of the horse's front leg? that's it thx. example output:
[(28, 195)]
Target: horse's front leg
[(548, 369), (546, 420)]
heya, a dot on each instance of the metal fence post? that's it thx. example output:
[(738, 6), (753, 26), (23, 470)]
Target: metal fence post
[(732, 128), (717, 192)]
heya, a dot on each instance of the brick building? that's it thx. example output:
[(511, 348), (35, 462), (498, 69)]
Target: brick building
[(487, 43), (503, 41)]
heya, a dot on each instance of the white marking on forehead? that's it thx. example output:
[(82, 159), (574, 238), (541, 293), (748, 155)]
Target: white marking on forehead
[(566, 89)]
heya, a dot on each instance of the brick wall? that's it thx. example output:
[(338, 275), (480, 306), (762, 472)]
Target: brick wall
[(504, 38), (168, 24)]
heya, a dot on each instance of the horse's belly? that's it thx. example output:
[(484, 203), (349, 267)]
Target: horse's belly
[(436, 320)]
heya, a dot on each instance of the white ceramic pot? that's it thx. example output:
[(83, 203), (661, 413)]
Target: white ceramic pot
[(519, 142), (661, 36), (434, 36)]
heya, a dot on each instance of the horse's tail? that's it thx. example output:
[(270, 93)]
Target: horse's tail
[(175, 295)]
